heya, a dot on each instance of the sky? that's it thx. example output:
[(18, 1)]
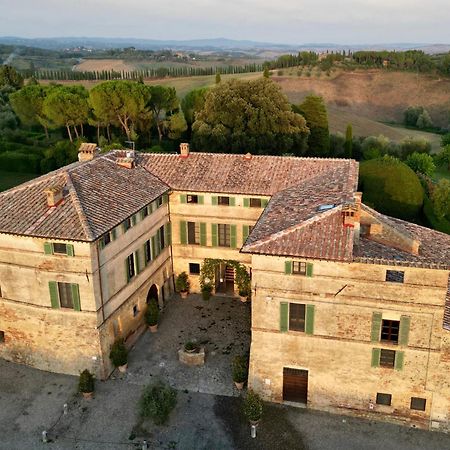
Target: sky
[(282, 21)]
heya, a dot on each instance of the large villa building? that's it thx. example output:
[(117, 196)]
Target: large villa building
[(350, 308)]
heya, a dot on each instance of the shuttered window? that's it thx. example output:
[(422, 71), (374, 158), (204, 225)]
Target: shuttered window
[(390, 330), (58, 248), (193, 233), (298, 268), (64, 295), (130, 267), (300, 317), (386, 358), (224, 235), (223, 201)]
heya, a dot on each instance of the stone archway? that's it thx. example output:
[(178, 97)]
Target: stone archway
[(153, 294)]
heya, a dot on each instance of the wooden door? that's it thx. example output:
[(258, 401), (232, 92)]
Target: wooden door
[(295, 385)]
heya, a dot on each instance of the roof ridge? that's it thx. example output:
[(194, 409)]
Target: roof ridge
[(316, 217), (78, 207)]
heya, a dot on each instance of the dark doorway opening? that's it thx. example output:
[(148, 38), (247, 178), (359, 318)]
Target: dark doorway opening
[(295, 385), (224, 279), (152, 294)]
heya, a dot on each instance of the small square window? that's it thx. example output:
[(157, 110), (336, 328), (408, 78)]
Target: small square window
[(135, 310), (192, 198), (159, 201), (299, 268), (145, 212), (60, 249), (387, 358), (419, 404), (106, 239), (395, 276), (384, 399), (2, 337), (255, 203), (223, 201), (194, 268)]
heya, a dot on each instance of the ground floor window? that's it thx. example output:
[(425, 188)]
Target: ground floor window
[(384, 399), (418, 403), (2, 336), (194, 268)]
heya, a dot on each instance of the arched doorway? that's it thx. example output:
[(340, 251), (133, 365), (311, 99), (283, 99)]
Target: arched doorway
[(152, 293)]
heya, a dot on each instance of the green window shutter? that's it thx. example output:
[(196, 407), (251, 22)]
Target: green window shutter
[(165, 198), (309, 269), (399, 359), (142, 213), (214, 200), (201, 199), (133, 219), (183, 198), (203, 234), (124, 228), (288, 267), (264, 202), (245, 232), (48, 248), (246, 202), (309, 326), (127, 274), (70, 250), (405, 322), (168, 234), (76, 297), (376, 326), (146, 256), (151, 207), (157, 244), (113, 234), (232, 201), (376, 352), (214, 234), (137, 263), (233, 242), (101, 243), (284, 308), (54, 297), (153, 247), (183, 232)]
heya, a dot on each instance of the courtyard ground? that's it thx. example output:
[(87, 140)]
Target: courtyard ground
[(208, 414)]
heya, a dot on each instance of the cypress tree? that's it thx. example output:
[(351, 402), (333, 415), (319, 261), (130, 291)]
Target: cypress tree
[(348, 146), (266, 73), (217, 77)]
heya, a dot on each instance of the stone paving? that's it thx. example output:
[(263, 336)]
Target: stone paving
[(221, 325)]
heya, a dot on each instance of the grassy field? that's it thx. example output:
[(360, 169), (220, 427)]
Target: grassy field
[(11, 179)]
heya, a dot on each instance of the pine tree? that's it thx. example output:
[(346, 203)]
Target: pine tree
[(349, 141)]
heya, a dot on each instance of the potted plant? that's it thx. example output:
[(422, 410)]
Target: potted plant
[(253, 407), (86, 384), (243, 294), (190, 347), (240, 371), (182, 284), (151, 315), (119, 355), (206, 291)]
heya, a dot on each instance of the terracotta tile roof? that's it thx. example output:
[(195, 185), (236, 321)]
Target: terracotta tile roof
[(434, 249), (322, 236), (98, 195), (228, 173)]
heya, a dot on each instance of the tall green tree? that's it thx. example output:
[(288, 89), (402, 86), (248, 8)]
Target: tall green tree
[(248, 116), (218, 78), (28, 104), (441, 199), (266, 72), (163, 100), (121, 102), (315, 112), (443, 157), (192, 103), (349, 141), (175, 125), (10, 77), (67, 106)]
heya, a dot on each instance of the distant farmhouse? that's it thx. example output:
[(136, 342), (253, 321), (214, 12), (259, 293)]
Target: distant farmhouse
[(350, 308)]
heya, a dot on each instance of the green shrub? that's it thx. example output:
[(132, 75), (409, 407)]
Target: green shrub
[(86, 382), (182, 283), (206, 291), (119, 353), (157, 402), (434, 222), (240, 369), (252, 406), (190, 346), (391, 187), (152, 313), (421, 163)]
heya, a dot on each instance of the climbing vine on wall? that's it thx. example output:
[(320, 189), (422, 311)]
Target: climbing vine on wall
[(242, 277)]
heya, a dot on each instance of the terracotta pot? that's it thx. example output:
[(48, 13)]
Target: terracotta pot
[(153, 328), (239, 386), (243, 299), (194, 350), (254, 422), (88, 395), (184, 294), (123, 368)]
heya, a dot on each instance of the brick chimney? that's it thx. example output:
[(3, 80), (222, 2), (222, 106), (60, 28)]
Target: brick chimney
[(184, 150), (87, 152), (126, 159), (54, 195), (248, 156)]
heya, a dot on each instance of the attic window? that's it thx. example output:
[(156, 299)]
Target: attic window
[(326, 207)]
